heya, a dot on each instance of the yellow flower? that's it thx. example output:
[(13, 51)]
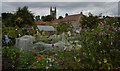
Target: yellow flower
[(92, 30), (99, 62), (108, 67), (105, 60), (75, 57), (78, 60)]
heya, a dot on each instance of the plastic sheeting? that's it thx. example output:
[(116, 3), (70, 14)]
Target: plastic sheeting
[(25, 42)]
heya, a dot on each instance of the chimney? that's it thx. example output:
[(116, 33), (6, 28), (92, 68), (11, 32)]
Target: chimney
[(66, 14)]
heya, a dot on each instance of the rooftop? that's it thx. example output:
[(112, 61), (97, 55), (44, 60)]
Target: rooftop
[(46, 28)]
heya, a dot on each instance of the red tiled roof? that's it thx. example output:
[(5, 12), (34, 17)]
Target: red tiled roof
[(68, 18), (41, 22)]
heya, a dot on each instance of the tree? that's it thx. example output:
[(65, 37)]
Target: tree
[(22, 15), (19, 22), (60, 17), (8, 19), (47, 18), (37, 18), (25, 15)]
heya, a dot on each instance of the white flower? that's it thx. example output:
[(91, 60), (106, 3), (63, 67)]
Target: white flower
[(99, 42), (111, 43)]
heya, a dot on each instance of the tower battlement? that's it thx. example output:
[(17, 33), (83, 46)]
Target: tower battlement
[(53, 12)]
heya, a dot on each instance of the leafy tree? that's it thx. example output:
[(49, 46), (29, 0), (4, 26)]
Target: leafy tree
[(19, 21), (47, 18), (26, 15), (37, 18), (22, 16), (8, 19), (60, 17)]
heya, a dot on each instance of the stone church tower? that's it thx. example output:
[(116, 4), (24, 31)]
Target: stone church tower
[(53, 12)]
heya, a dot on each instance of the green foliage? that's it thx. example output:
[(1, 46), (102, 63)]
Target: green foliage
[(8, 19), (25, 59), (21, 18), (91, 21), (60, 17), (37, 18), (47, 18), (10, 52), (63, 27)]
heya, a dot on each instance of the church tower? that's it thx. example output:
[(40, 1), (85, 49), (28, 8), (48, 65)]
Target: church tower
[(53, 12)]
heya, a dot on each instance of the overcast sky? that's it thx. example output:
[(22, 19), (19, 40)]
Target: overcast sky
[(37, 7)]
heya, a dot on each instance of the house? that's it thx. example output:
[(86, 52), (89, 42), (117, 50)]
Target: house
[(74, 19)]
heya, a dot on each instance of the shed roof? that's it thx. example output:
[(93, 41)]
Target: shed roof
[(46, 28)]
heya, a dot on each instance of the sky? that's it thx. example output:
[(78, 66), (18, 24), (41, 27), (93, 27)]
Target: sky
[(42, 7)]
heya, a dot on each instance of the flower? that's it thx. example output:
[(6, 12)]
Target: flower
[(47, 67), (115, 45), (105, 34), (53, 60), (114, 29), (119, 29), (105, 60), (95, 35), (111, 43), (43, 58), (50, 65), (101, 23), (101, 36), (119, 40), (52, 45), (65, 48), (37, 61), (99, 42), (52, 57), (81, 58), (99, 68), (111, 31), (99, 62), (63, 64)]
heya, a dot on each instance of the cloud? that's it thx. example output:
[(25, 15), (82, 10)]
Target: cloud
[(42, 8), (60, 0)]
